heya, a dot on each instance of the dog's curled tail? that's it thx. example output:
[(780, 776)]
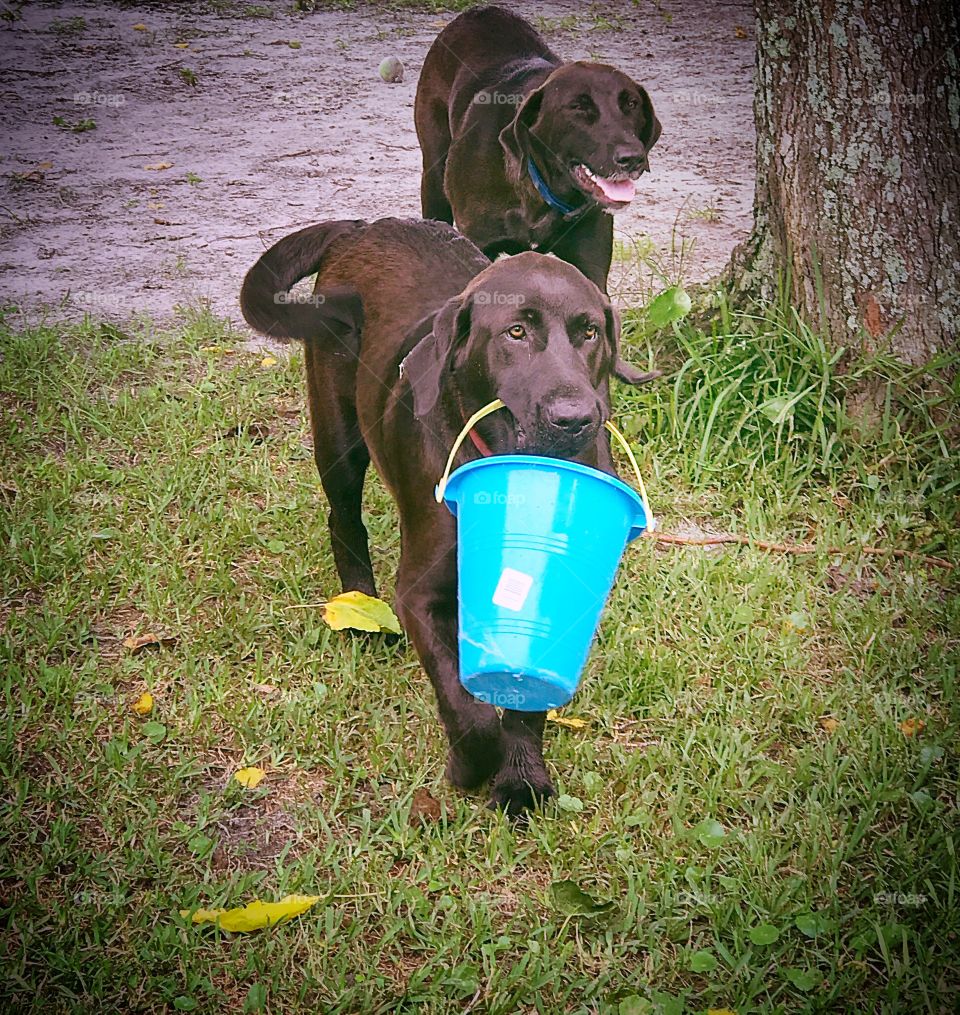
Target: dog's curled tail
[(270, 308)]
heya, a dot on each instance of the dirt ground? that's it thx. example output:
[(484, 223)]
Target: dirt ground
[(221, 126)]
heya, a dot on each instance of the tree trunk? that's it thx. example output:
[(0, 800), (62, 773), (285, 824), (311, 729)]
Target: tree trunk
[(857, 110)]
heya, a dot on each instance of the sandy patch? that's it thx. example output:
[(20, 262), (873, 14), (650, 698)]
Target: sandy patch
[(263, 137)]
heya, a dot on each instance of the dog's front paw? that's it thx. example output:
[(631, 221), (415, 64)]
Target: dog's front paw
[(472, 768), (515, 792)]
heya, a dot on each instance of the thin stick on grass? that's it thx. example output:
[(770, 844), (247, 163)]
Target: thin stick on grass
[(798, 548)]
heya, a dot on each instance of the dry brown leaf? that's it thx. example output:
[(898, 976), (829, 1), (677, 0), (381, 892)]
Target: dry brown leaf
[(425, 807), (830, 724), (158, 166), (911, 727), (137, 643), (256, 432)]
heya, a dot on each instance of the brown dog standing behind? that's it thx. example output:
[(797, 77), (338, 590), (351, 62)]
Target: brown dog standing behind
[(523, 151), (530, 330)]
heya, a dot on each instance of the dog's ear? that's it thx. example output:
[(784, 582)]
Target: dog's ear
[(427, 362), (612, 321), (622, 370), (631, 375), (612, 326), (515, 137), (650, 128)]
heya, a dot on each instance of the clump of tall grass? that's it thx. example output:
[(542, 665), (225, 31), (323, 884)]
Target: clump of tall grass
[(761, 396)]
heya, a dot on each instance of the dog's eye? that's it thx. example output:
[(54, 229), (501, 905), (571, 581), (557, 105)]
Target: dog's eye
[(591, 332), (518, 331)]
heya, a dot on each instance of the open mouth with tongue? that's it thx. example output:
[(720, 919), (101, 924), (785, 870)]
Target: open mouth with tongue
[(612, 191)]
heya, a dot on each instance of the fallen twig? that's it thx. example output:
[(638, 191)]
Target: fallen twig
[(293, 155), (762, 544)]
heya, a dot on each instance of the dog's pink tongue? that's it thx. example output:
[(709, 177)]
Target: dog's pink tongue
[(617, 190)]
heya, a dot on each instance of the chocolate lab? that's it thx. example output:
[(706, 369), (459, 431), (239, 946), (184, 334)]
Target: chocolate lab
[(409, 331), (523, 151)]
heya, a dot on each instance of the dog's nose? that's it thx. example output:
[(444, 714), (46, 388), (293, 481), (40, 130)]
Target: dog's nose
[(629, 159), (572, 418)]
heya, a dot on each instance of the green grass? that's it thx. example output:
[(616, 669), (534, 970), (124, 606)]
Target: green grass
[(548, 26), (124, 509)]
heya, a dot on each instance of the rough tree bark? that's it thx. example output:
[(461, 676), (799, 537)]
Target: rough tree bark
[(857, 110)]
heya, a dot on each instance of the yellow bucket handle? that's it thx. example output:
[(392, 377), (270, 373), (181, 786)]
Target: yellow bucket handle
[(467, 427), (497, 404), (651, 521)]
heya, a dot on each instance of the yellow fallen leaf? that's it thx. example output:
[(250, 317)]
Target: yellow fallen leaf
[(256, 915), (181, 45), (720, 1011), (140, 28), (361, 612), (569, 721), (144, 704), (910, 727), (268, 361), (249, 777), (158, 166), (829, 724)]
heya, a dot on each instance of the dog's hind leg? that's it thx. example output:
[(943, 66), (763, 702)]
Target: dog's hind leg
[(329, 323), (433, 197), (342, 459), (435, 143)]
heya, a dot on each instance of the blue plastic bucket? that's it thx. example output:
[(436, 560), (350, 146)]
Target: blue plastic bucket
[(539, 541)]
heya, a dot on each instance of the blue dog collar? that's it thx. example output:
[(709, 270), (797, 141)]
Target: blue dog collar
[(547, 194)]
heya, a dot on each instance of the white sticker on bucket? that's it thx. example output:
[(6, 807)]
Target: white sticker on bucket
[(512, 589)]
